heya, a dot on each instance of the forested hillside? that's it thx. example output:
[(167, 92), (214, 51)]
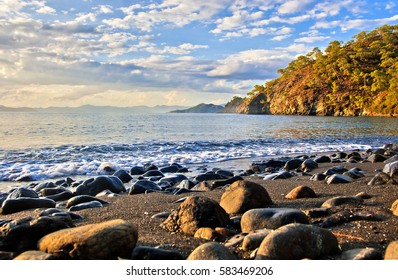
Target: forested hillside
[(359, 77)]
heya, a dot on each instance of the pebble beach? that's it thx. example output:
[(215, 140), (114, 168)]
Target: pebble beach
[(329, 206)]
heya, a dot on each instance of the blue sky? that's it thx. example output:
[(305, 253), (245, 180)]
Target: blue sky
[(163, 52)]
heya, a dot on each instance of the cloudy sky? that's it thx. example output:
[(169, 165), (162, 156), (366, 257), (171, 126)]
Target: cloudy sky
[(163, 52)]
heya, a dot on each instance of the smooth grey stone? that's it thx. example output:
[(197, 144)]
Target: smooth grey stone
[(85, 205), (339, 179)]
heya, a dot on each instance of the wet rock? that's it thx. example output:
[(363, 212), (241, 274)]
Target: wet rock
[(137, 170), (144, 186), (278, 175), (292, 164), (83, 198), (172, 180), (323, 159), (55, 212), (169, 169), (298, 241), (65, 195), (22, 192), (271, 218), (45, 185), (211, 251), (391, 251), (335, 170), (35, 255), (85, 205), (10, 206), (52, 191), (340, 200), (301, 192), (253, 239), (23, 234), (221, 183), (106, 240), (98, 184), (308, 165), (225, 173), (196, 212), (244, 195), (354, 173), (153, 173), (151, 253), (209, 176), (377, 158), (339, 179), (362, 254), (318, 177), (123, 175)]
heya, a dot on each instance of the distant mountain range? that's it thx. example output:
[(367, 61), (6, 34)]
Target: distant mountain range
[(202, 108), (91, 108)]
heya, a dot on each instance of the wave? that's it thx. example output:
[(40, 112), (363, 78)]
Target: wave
[(73, 160)]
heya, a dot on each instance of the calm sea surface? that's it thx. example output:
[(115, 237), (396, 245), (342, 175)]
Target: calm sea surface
[(50, 145)]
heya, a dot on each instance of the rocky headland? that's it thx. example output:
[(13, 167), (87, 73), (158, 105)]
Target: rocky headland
[(340, 205), (356, 78)]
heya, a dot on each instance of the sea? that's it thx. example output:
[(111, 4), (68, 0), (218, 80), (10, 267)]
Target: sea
[(48, 145)]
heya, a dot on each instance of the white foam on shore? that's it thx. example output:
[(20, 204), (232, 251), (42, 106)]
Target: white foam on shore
[(69, 161)]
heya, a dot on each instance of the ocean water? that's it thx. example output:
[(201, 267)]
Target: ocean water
[(53, 145)]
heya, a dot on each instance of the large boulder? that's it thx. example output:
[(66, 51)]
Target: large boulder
[(23, 234), (271, 218), (96, 185), (211, 251), (298, 241), (196, 212), (391, 251), (244, 195), (106, 240)]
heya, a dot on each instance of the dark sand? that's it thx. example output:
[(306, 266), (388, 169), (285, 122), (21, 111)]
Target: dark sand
[(356, 234)]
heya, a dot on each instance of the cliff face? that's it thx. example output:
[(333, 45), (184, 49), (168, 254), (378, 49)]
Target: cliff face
[(357, 78)]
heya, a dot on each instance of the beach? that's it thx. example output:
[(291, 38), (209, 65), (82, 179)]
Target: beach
[(369, 223)]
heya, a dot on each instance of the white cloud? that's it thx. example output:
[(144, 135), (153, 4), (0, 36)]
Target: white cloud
[(251, 64), (311, 39), (293, 6), (46, 10)]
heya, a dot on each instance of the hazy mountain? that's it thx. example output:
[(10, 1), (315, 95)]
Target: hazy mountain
[(202, 108), (20, 109), (95, 109)]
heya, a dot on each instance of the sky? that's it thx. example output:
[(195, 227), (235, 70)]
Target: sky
[(163, 52)]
